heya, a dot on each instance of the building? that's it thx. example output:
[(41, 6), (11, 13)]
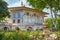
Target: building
[(25, 18)]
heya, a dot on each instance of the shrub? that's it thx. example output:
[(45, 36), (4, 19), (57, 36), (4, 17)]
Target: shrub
[(23, 35)]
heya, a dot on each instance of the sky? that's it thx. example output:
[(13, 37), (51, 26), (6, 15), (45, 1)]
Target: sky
[(17, 3)]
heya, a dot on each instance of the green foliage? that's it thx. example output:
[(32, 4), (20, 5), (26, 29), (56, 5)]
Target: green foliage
[(37, 4), (49, 21), (41, 4), (23, 35), (3, 9), (1, 36), (58, 23), (20, 35), (53, 5)]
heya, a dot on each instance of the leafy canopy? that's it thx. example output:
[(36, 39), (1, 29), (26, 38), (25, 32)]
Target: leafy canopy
[(3, 9), (41, 4)]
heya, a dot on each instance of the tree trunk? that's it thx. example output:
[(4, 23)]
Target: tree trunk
[(53, 20)]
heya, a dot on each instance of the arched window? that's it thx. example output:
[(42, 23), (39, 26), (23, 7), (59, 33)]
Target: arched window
[(14, 15), (13, 21), (5, 28), (34, 14), (27, 13), (18, 15), (17, 28), (18, 21), (29, 28)]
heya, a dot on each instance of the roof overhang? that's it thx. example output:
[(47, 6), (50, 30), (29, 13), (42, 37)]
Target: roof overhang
[(26, 8)]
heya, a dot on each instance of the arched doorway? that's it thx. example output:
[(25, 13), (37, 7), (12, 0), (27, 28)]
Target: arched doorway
[(5, 28), (29, 28), (17, 28)]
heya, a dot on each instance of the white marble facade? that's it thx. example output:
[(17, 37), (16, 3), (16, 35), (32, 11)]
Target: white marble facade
[(25, 21)]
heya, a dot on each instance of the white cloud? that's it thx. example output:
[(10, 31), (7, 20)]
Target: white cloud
[(18, 4)]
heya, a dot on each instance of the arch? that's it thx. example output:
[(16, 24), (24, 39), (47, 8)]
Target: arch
[(29, 28), (5, 28), (17, 28)]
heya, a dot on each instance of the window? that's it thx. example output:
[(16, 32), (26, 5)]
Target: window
[(14, 15), (34, 14), (27, 13), (18, 15), (13, 21), (18, 21)]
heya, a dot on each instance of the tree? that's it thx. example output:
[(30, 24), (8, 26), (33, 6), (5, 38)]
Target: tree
[(49, 21), (58, 23), (3, 10), (53, 5)]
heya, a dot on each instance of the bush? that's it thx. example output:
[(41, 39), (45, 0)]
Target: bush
[(1, 36), (23, 35)]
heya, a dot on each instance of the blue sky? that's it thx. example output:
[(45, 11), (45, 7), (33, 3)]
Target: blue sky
[(11, 1), (17, 3)]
